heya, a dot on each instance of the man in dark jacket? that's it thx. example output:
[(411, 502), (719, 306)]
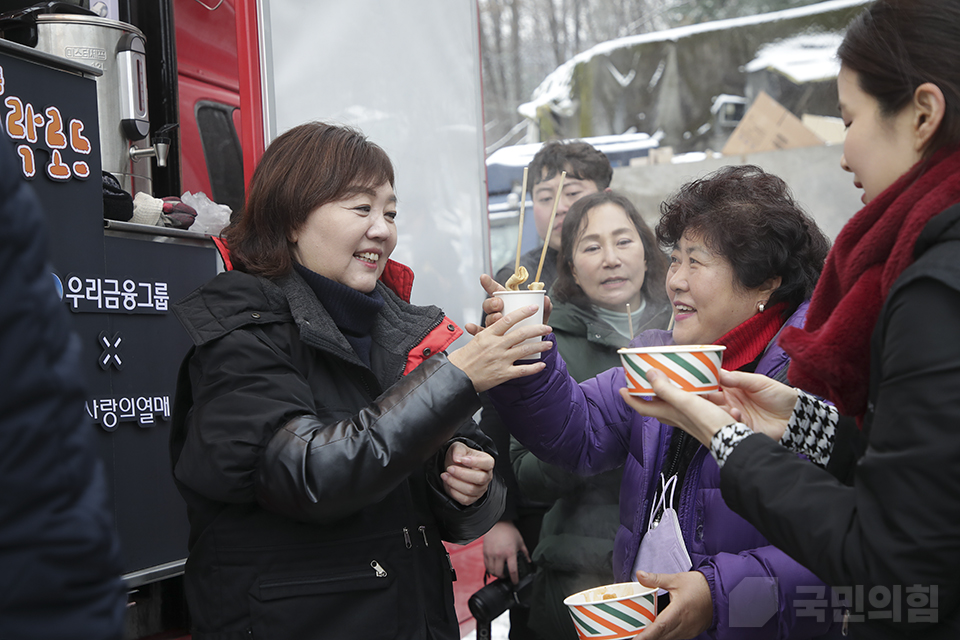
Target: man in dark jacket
[(59, 553)]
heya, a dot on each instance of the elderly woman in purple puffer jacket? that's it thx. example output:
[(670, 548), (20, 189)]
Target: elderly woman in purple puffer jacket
[(744, 260)]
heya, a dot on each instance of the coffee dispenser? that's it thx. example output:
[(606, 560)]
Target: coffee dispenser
[(119, 50)]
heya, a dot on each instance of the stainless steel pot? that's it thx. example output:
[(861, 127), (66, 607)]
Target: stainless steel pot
[(119, 50)]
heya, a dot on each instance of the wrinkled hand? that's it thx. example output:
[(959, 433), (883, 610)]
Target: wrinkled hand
[(761, 403), (690, 611), (695, 415), (490, 357), (468, 473), (500, 545), (493, 307)]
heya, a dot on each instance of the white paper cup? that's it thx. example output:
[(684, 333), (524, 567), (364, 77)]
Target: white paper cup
[(692, 367), (513, 300)]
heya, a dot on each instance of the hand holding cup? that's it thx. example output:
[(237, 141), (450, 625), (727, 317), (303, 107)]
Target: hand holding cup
[(496, 354), (493, 305)]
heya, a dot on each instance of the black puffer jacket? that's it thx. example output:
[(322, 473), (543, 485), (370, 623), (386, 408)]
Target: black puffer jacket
[(312, 481)]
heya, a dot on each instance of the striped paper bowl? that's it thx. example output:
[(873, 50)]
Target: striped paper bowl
[(693, 368), (613, 612)]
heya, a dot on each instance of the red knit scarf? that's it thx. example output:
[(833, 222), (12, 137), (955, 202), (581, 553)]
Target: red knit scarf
[(830, 356), (746, 341)]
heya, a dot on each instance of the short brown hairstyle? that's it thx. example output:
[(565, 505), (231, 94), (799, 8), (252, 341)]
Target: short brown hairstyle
[(749, 217), (304, 168), (565, 287)]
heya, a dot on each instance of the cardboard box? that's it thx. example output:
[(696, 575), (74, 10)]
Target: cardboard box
[(768, 126), (830, 129)]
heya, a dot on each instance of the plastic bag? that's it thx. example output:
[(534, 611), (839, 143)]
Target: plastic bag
[(211, 217)]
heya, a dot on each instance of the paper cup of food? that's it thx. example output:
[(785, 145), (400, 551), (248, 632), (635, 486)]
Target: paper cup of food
[(614, 611), (692, 367), (513, 300)]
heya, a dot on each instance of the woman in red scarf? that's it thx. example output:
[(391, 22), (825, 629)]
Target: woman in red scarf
[(744, 259), (882, 342)]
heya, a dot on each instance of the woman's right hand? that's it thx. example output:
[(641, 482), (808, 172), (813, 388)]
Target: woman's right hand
[(492, 356), (761, 403)]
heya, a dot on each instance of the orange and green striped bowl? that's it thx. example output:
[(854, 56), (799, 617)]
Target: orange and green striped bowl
[(613, 612), (693, 368)]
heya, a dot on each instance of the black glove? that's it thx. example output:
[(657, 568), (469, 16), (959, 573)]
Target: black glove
[(117, 203)]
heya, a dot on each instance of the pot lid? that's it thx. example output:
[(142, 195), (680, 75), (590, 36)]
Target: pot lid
[(92, 21)]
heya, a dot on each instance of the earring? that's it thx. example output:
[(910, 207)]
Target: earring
[(761, 306)]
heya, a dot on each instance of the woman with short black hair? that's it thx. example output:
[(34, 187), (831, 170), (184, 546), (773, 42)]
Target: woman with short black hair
[(728, 260), (750, 217)]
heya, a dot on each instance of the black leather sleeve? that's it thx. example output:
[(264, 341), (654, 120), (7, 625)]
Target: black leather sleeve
[(493, 427), (321, 472), (458, 523)]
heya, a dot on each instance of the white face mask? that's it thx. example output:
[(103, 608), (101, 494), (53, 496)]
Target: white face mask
[(662, 549)]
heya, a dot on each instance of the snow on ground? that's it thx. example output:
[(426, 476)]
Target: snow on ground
[(500, 628)]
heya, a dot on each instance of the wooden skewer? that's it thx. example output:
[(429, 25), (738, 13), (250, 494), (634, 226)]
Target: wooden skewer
[(553, 215), (523, 205), (630, 321)]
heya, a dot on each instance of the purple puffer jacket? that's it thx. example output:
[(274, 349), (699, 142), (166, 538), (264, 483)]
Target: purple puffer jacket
[(588, 428)]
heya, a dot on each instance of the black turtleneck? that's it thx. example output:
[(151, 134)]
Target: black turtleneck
[(354, 312)]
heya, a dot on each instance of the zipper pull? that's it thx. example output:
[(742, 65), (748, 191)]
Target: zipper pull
[(381, 572), (845, 628), (423, 532), (406, 537), (453, 572)]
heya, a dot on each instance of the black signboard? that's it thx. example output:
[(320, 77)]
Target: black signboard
[(120, 287)]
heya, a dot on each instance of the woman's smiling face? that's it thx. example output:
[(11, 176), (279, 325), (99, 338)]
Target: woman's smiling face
[(349, 240), (707, 299)]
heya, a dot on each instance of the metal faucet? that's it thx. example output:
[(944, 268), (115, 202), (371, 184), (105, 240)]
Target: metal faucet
[(160, 149)]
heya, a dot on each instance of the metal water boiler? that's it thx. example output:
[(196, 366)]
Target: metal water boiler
[(119, 50)]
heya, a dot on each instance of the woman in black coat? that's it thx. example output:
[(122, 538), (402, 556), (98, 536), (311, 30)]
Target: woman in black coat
[(882, 342), (322, 439)]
